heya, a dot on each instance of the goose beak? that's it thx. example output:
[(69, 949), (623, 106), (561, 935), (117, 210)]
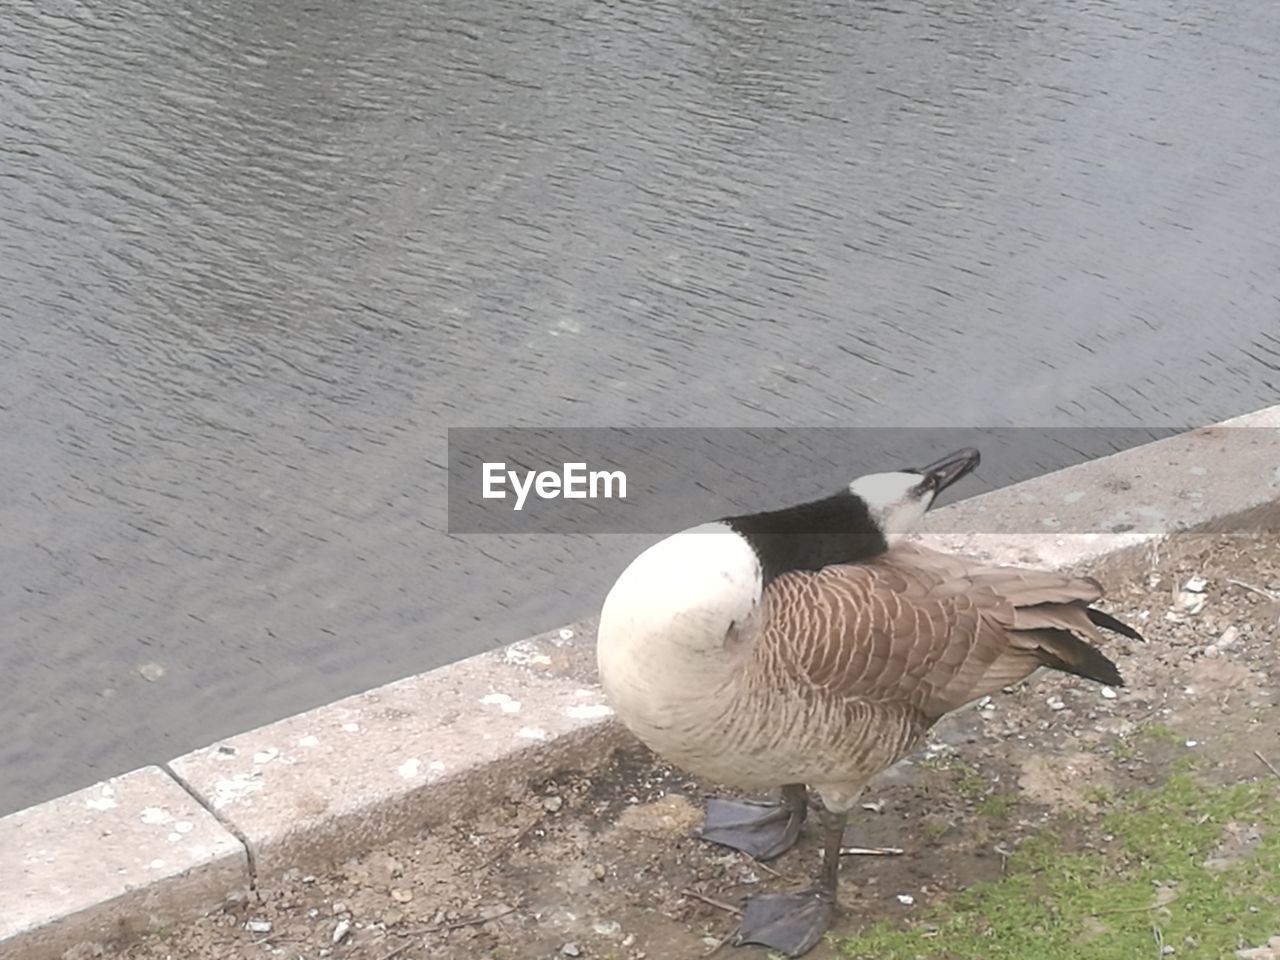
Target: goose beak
[(951, 468)]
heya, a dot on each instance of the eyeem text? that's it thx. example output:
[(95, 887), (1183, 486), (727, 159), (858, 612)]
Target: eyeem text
[(573, 481)]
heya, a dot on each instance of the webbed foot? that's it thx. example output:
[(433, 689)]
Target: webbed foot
[(761, 830), (791, 923)]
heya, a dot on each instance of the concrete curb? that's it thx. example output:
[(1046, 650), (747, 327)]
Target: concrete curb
[(332, 782), (109, 862)]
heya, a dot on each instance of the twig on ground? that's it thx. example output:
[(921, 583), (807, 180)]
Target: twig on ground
[(723, 940), (1266, 763), (275, 938), (712, 901), (397, 951), (1252, 589), (871, 851), (458, 924), (766, 868), (508, 845)]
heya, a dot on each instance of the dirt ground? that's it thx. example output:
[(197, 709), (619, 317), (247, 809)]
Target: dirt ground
[(600, 865)]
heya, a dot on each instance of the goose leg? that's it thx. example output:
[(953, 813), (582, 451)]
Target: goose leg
[(762, 830), (793, 923)]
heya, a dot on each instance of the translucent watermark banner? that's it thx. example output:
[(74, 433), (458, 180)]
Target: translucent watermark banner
[(594, 480)]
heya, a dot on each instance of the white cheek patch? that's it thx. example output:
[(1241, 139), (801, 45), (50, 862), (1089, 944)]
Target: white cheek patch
[(905, 517)]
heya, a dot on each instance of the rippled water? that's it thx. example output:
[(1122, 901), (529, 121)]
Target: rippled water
[(255, 259)]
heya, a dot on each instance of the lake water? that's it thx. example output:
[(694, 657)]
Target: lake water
[(254, 259)]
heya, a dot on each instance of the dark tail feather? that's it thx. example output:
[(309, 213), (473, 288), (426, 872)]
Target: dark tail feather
[(1063, 650), (1111, 623)]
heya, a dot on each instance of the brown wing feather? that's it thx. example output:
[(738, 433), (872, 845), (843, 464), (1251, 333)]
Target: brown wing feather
[(930, 631)]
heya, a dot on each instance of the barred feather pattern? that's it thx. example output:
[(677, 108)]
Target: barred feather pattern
[(843, 671)]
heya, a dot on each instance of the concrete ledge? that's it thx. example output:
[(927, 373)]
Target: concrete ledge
[(1222, 477), (109, 862), (334, 781)]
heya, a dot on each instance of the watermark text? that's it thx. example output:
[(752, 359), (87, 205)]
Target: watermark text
[(573, 481)]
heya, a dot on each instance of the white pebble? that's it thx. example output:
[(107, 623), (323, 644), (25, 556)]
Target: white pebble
[(906, 899), (258, 926), (1228, 638), (341, 930), (1108, 693)]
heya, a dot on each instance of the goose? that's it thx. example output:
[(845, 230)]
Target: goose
[(814, 646)]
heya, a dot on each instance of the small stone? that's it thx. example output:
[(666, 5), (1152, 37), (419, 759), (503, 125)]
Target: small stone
[(1108, 693), (1167, 950), (383, 867), (1056, 704), (400, 895), (629, 940), (607, 928), (598, 871), (150, 672), (1196, 585), (571, 950), (552, 804), (258, 926), (391, 917), (1227, 639), (1187, 603), (342, 928), (1193, 743), (906, 899), (339, 906)]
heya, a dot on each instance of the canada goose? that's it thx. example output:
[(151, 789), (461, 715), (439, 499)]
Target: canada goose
[(810, 646)]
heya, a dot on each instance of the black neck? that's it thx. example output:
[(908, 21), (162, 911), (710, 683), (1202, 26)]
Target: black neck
[(836, 529)]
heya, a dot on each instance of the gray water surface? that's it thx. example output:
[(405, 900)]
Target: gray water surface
[(255, 258)]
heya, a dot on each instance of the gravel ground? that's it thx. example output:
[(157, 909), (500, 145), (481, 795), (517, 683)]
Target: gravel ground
[(599, 865)]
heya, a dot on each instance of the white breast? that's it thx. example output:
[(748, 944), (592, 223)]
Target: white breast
[(661, 640)]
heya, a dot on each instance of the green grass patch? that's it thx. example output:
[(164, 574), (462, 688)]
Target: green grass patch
[(1160, 731), (1059, 904), (1099, 795), (997, 805)]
